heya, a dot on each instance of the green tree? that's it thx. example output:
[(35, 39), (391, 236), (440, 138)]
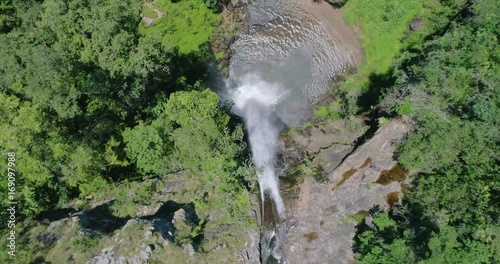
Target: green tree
[(450, 214), (191, 134), (149, 146)]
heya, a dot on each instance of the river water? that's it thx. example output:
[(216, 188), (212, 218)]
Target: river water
[(280, 68)]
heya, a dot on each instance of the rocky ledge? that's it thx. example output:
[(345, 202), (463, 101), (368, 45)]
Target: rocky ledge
[(158, 230), (355, 179)]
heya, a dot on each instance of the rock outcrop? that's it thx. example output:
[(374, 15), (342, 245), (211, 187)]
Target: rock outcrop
[(416, 24), (326, 213), (250, 254), (325, 145), (159, 229), (337, 3)]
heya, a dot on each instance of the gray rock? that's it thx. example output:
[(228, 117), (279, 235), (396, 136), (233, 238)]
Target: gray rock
[(416, 24), (329, 158), (336, 3), (236, 3), (148, 209), (324, 213), (315, 138), (250, 254), (105, 257), (173, 186), (326, 144), (189, 250), (47, 239), (149, 249), (144, 254), (54, 224), (148, 234)]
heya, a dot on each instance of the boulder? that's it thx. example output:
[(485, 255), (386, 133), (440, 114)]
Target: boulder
[(105, 257), (179, 215), (337, 3), (236, 3), (333, 137), (416, 24), (148, 209)]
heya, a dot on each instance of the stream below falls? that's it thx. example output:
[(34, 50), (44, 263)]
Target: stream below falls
[(280, 68)]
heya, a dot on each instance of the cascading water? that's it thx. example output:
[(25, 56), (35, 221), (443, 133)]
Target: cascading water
[(281, 67), (255, 100)]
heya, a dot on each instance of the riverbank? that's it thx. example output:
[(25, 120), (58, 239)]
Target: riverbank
[(385, 30), (349, 192), (233, 19), (333, 20), (332, 170)]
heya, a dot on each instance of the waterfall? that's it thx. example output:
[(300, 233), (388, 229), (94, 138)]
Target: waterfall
[(255, 101), (280, 67)]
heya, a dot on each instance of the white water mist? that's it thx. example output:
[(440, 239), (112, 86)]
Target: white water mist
[(255, 101)]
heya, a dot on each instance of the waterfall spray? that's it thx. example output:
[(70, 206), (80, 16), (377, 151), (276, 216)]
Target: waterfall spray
[(255, 100)]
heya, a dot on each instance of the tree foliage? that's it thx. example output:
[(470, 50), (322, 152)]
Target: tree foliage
[(191, 134), (451, 213), (85, 101)]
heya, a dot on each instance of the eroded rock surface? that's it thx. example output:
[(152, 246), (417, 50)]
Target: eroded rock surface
[(326, 213), (325, 145), (159, 230)]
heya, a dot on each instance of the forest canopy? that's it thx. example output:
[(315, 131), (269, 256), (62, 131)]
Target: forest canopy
[(449, 88), (92, 96), (96, 95)]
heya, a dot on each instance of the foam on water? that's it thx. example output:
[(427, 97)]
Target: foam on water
[(294, 49)]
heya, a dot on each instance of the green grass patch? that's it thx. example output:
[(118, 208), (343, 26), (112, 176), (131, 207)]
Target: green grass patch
[(332, 111), (406, 108), (322, 111), (381, 25), (219, 55), (186, 24), (383, 28), (86, 243), (148, 12)]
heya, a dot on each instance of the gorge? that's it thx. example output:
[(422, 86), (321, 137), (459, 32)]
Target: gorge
[(250, 131), (281, 67)]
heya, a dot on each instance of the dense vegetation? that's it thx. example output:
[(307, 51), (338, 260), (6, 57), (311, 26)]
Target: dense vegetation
[(449, 88), (186, 24), (384, 32), (94, 101), (91, 98)]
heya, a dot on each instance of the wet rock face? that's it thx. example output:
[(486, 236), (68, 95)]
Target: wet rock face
[(251, 253), (327, 212)]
